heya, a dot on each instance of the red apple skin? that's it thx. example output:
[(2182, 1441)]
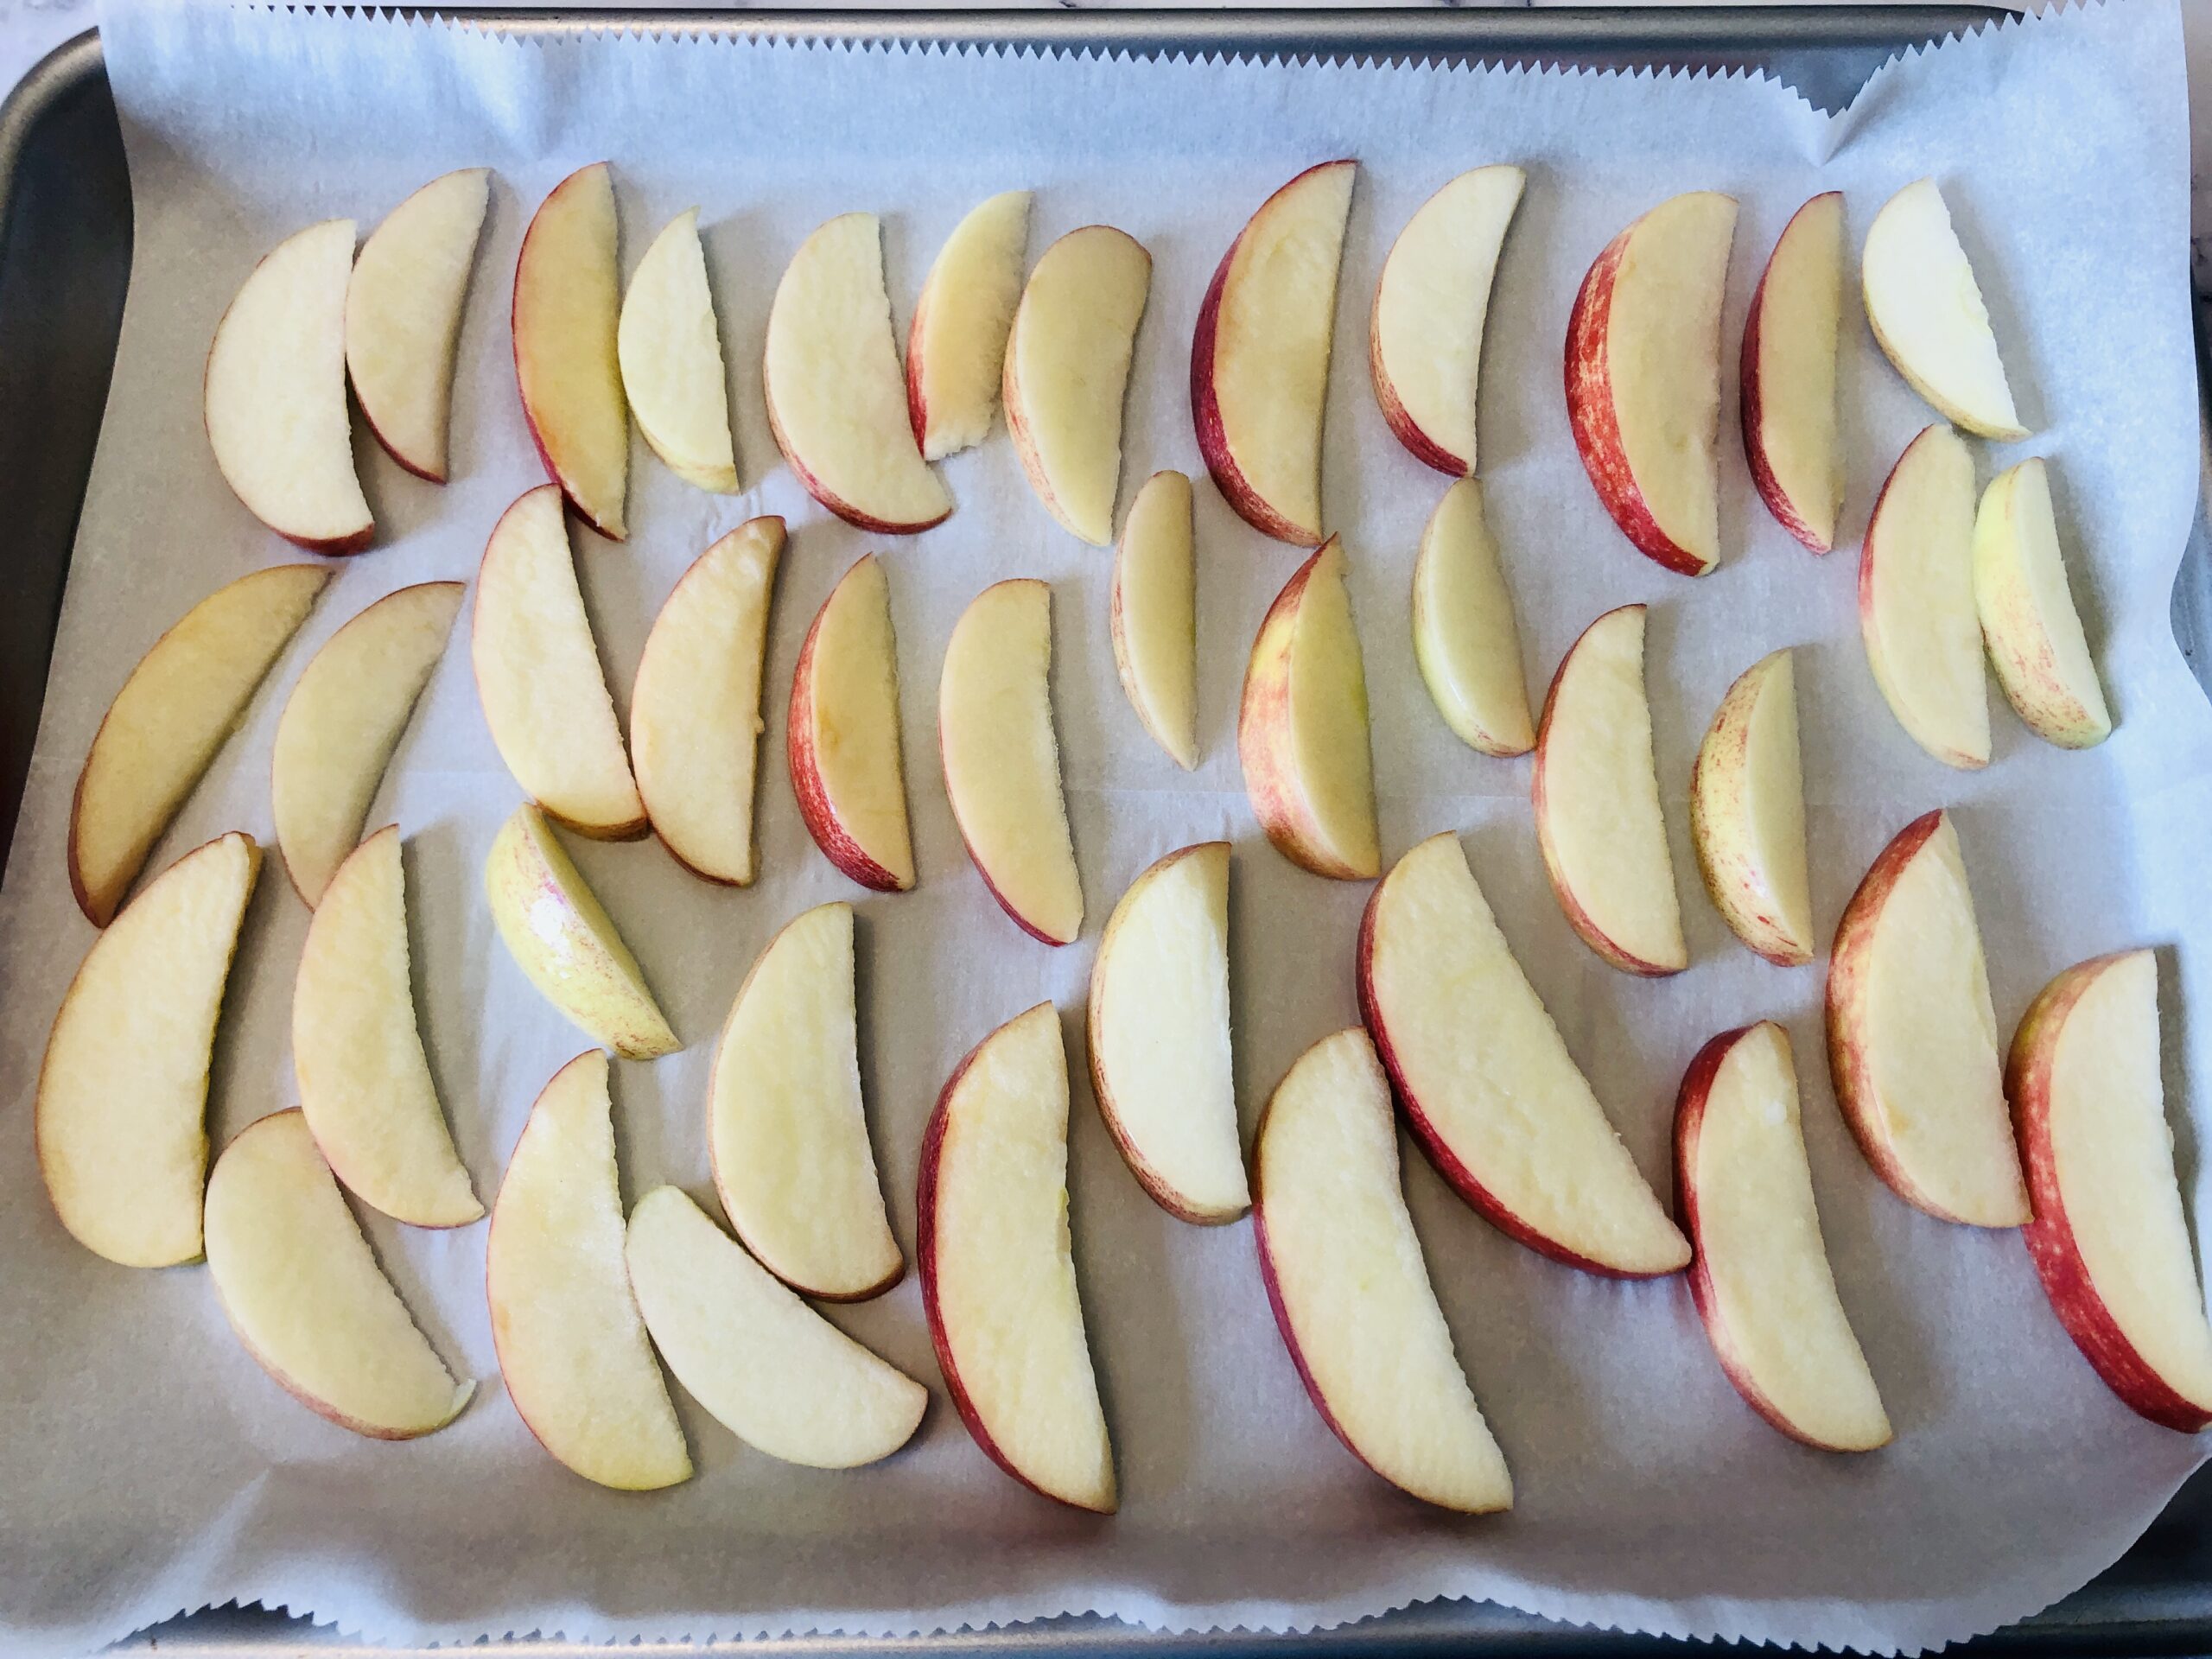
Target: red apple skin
[(529, 416), (815, 487), (1753, 401), (917, 408), (1403, 425), (807, 785)]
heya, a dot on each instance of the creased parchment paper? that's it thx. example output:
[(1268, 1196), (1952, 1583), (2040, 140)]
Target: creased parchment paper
[(148, 1465)]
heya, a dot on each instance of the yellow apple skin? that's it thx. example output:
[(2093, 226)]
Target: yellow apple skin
[(1735, 875), (2028, 644)]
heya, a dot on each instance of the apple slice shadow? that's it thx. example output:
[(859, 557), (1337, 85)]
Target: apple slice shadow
[(895, 1182), (2084, 581), (261, 969), (1526, 321), (440, 952), (2173, 1078), (2015, 340), (741, 316)]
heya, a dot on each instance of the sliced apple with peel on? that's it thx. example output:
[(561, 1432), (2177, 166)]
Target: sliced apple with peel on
[(572, 1346), (1643, 377), (786, 1132), (1928, 313), (836, 398), (669, 349), (1260, 358), (1912, 1036), (1761, 1278), (2028, 620), (303, 1290), (1916, 601), (567, 306), (1465, 639), (1789, 374), (1492, 1094), (998, 1265), (1747, 814), (120, 1118), (1350, 1292), (1151, 615), (956, 345), (842, 734), (180, 706)]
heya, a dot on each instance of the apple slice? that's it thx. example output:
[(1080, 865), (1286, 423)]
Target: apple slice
[(1424, 334), (1916, 601), (998, 1268), (785, 1130), (694, 707), (1789, 374), (1350, 1292), (303, 1290), (563, 939), (1598, 823), (842, 734), (1495, 1098), (956, 346), (772, 1370), (1151, 615), (670, 353), (275, 394), (837, 399), (121, 1114), (1747, 814), (1001, 761), (1465, 637), (566, 306), (572, 1344), (178, 707), (2028, 620), (365, 1081), (1301, 726), (1912, 1038), (1159, 1037), (1761, 1279), (1260, 358), (1067, 372), (403, 316), (538, 677), (1643, 377), (1928, 313), (2110, 1238), (343, 721)]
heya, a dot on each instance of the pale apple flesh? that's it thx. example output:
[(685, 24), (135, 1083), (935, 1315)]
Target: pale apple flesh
[(1465, 639), (669, 349), (956, 345), (1927, 312), (567, 308), (1151, 615), (1916, 601), (2028, 620), (1747, 814), (1789, 375), (841, 735)]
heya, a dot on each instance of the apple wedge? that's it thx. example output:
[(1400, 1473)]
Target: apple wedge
[(1350, 1292), (956, 345), (785, 1130), (275, 394), (539, 676), (567, 306), (2110, 1238), (1159, 1037), (365, 1081), (1928, 314), (998, 1268), (772, 1370), (178, 707), (1761, 1278), (1002, 762), (301, 1288), (344, 719), (1789, 374), (1912, 1038), (562, 939), (694, 707), (670, 353), (1492, 1094), (1643, 377), (1151, 615), (1747, 814), (1067, 373), (2028, 620), (121, 1112), (403, 316), (837, 399), (842, 734), (1465, 639), (1425, 333), (1260, 358), (1301, 726), (1916, 601), (1598, 823), (572, 1344)]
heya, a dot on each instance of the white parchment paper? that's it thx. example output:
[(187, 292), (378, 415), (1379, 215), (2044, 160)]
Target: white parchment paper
[(149, 1466)]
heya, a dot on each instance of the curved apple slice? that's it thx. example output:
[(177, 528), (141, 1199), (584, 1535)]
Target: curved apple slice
[(1001, 761), (303, 1290), (1465, 636), (178, 707), (956, 346), (1747, 814), (1916, 601), (1350, 1292), (567, 302), (2028, 620), (1928, 316), (1260, 358), (343, 721), (998, 1267), (1761, 1278), (1496, 1101), (572, 1346), (1789, 374), (121, 1114), (1151, 615), (837, 399), (842, 734), (786, 1134), (670, 353)]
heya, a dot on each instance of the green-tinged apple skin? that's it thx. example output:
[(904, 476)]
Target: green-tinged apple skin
[(1752, 387), (1731, 876), (807, 784)]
